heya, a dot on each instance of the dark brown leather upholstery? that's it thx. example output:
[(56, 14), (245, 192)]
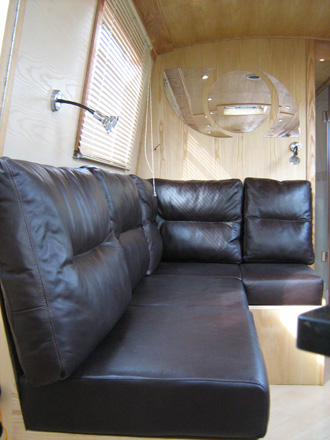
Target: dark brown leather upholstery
[(126, 215), (149, 206), (64, 276), (183, 360), (200, 220), (281, 284), (163, 371), (187, 290), (277, 221), (209, 269)]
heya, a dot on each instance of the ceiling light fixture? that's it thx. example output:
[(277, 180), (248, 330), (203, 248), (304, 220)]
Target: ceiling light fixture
[(108, 122), (253, 76), (245, 109)]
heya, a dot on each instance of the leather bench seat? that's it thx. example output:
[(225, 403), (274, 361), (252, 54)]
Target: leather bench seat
[(281, 284), (190, 290), (126, 306), (193, 268), (162, 371)]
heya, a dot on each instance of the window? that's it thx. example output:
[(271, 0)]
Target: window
[(119, 68)]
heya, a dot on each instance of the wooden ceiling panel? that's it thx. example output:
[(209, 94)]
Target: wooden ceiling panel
[(151, 14), (178, 23)]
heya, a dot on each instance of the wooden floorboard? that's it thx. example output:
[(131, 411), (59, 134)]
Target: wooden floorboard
[(300, 412)]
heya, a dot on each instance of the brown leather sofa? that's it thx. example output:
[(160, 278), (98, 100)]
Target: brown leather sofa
[(127, 314)]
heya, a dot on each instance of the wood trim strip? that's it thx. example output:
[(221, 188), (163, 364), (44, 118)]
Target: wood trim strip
[(154, 22), (10, 48), (88, 76)]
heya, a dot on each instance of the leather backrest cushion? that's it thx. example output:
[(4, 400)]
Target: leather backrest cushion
[(63, 272), (126, 215), (278, 221), (149, 205), (200, 220)]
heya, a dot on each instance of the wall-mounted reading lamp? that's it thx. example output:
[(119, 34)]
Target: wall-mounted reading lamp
[(295, 147), (108, 122)]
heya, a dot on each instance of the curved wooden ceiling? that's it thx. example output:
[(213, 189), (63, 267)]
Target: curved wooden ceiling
[(177, 23)]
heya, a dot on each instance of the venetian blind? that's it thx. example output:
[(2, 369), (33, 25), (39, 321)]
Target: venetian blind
[(119, 66)]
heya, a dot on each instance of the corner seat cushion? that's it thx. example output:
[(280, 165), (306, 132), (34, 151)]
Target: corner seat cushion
[(149, 207), (281, 284), (63, 274), (126, 215), (194, 268), (200, 220), (152, 377), (190, 290), (277, 221)]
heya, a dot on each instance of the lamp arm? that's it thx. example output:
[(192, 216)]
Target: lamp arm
[(65, 101)]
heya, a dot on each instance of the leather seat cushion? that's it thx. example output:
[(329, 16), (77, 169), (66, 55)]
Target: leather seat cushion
[(63, 273), (277, 221), (126, 217), (200, 220), (281, 284), (151, 377), (209, 269), (190, 290)]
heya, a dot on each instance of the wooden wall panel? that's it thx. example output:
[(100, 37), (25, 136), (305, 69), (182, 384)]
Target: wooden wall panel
[(48, 58), (186, 154)]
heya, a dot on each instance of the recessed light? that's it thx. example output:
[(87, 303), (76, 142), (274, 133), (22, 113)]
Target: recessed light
[(253, 77), (322, 59), (208, 126), (287, 106), (209, 99), (211, 113), (205, 76)]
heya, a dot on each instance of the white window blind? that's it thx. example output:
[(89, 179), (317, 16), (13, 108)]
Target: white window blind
[(120, 62)]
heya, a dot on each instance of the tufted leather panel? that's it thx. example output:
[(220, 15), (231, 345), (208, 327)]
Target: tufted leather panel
[(200, 220), (277, 221), (187, 290), (281, 284), (63, 274), (149, 207), (151, 377), (126, 216)]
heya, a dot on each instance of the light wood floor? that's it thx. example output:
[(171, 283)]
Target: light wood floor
[(300, 412)]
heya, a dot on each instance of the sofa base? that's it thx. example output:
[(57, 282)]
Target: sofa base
[(277, 332)]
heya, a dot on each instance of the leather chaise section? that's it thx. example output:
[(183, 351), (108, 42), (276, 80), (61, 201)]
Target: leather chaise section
[(163, 371), (200, 220), (281, 284), (187, 290)]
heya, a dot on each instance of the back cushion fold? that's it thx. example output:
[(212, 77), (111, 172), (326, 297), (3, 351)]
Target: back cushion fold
[(64, 276), (277, 221), (200, 220), (126, 215), (149, 205)]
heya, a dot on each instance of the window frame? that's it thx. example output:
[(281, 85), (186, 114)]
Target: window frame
[(96, 35)]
